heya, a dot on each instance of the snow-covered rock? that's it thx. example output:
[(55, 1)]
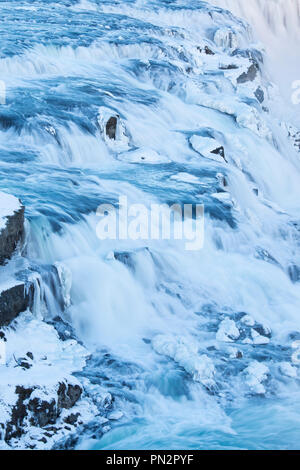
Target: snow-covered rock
[(256, 374), (288, 370), (228, 332), (15, 297), (37, 386), (113, 129), (248, 320), (185, 352), (259, 339), (208, 147), (11, 225)]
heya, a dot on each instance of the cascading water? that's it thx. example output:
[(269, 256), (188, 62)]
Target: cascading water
[(194, 347), (277, 25)]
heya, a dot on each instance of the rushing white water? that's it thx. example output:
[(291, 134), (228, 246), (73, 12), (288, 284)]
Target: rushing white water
[(276, 24), (161, 322)]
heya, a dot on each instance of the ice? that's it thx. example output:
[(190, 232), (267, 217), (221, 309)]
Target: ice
[(65, 277), (259, 339), (185, 178), (248, 320), (185, 353), (115, 415), (228, 332), (226, 38), (256, 374), (288, 370), (205, 146)]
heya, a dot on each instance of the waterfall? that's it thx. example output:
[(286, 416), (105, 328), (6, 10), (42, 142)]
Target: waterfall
[(162, 102), (276, 23)]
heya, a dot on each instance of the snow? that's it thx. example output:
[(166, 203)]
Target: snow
[(185, 178), (8, 206), (228, 332), (8, 283), (259, 339), (248, 320), (54, 361), (205, 146), (288, 370), (115, 415), (256, 373)]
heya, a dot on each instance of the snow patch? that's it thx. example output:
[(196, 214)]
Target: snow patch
[(184, 351)]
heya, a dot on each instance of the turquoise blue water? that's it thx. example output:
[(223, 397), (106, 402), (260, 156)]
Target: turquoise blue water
[(151, 319)]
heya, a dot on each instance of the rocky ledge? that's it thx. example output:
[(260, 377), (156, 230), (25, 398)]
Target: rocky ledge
[(11, 225), (15, 297)]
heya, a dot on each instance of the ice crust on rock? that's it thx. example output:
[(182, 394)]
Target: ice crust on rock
[(228, 332), (185, 352), (256, 374), (206, 147)]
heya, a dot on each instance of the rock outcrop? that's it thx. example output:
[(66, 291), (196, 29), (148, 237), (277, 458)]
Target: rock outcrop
[(11, 225), (38, 407), (14, 300), (15, 296)]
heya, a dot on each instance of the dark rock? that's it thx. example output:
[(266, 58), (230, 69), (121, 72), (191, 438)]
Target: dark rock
[(253, 55), (30, 355), (294, 336), (228, 67), (24, 364), (248, 76), (51, 429), (43, 412), (126, 258), (72, 418), (111, 127), (11, 235), (68, 395), (219, 151), (259, 94), (64, 329), (263, 331), (208, 51), (19, 413), (294, 273), (14, 301), (2, 336), (264, 255)]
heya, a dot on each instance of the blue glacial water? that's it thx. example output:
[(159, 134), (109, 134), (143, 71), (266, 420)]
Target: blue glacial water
[(152, 318)]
